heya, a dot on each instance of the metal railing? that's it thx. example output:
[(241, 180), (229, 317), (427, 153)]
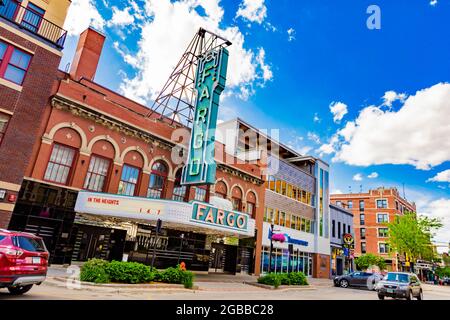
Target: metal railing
[(33, 22)]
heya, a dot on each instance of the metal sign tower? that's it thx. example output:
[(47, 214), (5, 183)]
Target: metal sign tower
[(175, 102)]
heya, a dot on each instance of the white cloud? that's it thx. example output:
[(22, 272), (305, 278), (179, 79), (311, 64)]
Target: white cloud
[(266, 71), (268, 26), (443, 176), (412, 135), (313, 137), (81, 15), (121, 17), (166, 31), (392, 96), (439, 208), (373, 175), (358, 177), (291, 34), (336, 191), (329, 148), (316, 118), (433, 2), (339, 110), (252, 10)]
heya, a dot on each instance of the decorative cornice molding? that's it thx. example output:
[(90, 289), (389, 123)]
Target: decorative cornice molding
[(237, 173), (79, 110)]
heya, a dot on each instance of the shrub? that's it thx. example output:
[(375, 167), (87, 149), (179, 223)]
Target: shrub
[(297, 279), (188, 279), (277, 279), (271, 279), (102, 271), (171, 275), (94, 270), (129, 272)]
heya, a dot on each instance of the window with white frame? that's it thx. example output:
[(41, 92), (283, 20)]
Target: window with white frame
[(383, 247), (381, 203), (382, 217), (382, 232), (60, 164)]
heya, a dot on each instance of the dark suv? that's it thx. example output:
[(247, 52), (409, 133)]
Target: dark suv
[(358, 279), (23, 261)]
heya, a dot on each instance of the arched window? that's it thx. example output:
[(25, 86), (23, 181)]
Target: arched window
[(251, 204), (221, 190), (158, 179), (179, 192), (236, 198), (97, 175)]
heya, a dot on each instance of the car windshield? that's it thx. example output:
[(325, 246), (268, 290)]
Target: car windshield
[(30, 244), (397, 277)]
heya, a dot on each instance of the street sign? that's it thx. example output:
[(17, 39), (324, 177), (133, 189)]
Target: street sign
[(349, 241), (209, 84)]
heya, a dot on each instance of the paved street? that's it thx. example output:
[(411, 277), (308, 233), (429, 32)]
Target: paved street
[(212, 291)]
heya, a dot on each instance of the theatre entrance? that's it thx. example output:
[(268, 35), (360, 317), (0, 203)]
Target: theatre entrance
[(223, 258)]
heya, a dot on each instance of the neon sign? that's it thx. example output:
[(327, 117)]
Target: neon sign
[(209, 84), (206, 214)]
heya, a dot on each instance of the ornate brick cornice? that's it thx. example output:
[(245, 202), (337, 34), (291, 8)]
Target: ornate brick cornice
[(240, 174), (83, 111)]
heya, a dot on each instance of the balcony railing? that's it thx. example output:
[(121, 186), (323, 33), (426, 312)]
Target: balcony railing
[(33, 22)]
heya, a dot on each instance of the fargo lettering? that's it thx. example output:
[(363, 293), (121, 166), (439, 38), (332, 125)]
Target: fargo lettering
[(204, 213), (209, 84)]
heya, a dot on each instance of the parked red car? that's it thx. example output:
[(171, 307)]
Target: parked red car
[(23, 261)]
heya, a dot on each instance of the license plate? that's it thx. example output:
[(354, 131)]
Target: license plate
[(36, 260), (390, 290)]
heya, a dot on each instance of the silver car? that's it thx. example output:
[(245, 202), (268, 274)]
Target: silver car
[(399, 285)]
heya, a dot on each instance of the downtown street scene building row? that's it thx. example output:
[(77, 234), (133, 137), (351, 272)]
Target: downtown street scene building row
[(95, 172)]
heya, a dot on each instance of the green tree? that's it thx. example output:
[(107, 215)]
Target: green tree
[(411, 234), (367, 260)]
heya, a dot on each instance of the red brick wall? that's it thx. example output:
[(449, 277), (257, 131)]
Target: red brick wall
[(321, 266), (28, 108)]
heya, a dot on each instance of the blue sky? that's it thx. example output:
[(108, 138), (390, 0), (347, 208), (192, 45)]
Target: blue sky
[(289, 80)]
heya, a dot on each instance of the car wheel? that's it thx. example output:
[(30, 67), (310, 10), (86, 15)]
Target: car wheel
[(343, 283), (20, 289), (409, 295), (380, 296), (420, 296)]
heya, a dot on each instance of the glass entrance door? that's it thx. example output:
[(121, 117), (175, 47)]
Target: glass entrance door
[(217, 258)]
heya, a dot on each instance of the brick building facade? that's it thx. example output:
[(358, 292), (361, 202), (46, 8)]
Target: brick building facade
[(95, 141), (371, 211), (30, 52)]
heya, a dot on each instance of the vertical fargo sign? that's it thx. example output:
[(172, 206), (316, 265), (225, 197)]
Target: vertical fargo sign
[(209, 84)]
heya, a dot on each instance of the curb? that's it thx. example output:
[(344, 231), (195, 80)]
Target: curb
[(61, 282), (280, 288)]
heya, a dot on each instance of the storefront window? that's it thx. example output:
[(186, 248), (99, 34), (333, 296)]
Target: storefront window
[(128, 180), (158, 179), (60, 164), (179, 191), (97, 174)]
